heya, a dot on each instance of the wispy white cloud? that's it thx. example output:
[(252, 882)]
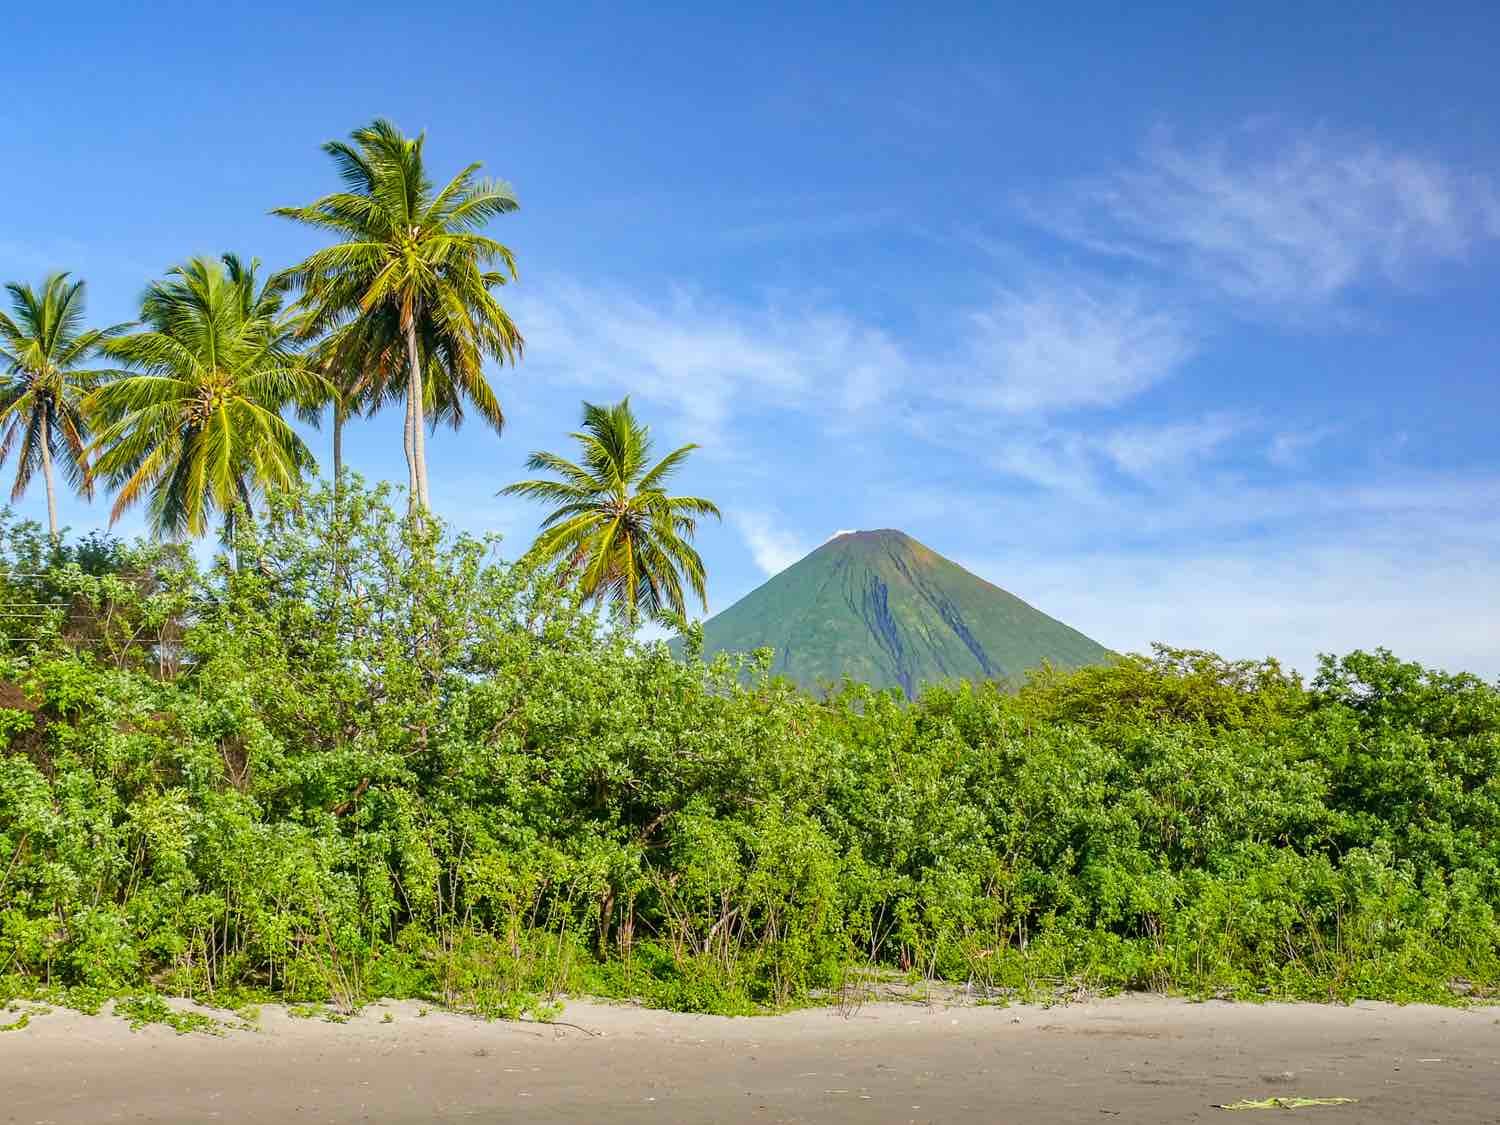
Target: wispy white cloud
[(706, 359), (1289, 449), (1250, 570), (1279, 217), (1041, 347), (1071, 460), (1293, 602), (1053, 460), (773, 547), (1143, 451), (1405, 509), (1057, 345)]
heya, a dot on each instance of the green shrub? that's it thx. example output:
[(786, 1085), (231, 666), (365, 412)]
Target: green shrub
[(358, 757)]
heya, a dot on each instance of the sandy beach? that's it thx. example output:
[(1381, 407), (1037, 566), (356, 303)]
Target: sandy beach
[(1142, 1059)]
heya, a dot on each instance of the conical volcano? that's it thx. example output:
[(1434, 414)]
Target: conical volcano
[(880, 607)]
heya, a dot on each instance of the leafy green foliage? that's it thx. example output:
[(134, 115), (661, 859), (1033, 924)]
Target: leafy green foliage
[(387, 764), (613, 527), (149, 1008)]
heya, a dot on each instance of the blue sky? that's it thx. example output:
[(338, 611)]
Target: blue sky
[(1181, 324)]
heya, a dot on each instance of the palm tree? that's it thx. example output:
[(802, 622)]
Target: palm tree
[(612, 525), (416, 276), (43, 347), (200, 429)]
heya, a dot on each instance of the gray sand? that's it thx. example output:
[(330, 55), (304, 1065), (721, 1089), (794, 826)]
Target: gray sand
[(1135, 1058)]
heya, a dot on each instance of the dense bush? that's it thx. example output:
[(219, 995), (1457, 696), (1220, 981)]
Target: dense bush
[(358, 757)]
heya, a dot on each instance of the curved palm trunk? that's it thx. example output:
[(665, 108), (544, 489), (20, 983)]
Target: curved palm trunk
[(416, 441), (46, 437)]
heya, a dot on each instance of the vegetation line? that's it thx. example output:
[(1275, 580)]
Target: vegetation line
[(359, 756)]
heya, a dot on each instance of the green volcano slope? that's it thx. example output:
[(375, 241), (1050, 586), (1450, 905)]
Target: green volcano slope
[(880, 607)]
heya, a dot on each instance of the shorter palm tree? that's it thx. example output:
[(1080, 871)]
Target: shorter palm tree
[(200, 430), (43, 349), (612, 526), (349, 379)]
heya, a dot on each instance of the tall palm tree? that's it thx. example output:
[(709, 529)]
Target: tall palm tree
[(415, 274), (43, 349), (200, 429), (612, 525)]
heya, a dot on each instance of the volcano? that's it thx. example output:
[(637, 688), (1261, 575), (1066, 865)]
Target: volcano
[(879, 606)]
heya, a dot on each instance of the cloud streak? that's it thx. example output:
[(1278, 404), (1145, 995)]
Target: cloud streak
[(1328, 596), (772, 547), (1041, 347), (707, 360), (1056, 346), (1290, 449), (1278, 218), (1143, 451), (1250, 570)]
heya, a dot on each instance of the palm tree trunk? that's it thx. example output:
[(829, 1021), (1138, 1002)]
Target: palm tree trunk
[(338, 444), (46, 436), (340, 568), (416, 439), (410, 450)]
